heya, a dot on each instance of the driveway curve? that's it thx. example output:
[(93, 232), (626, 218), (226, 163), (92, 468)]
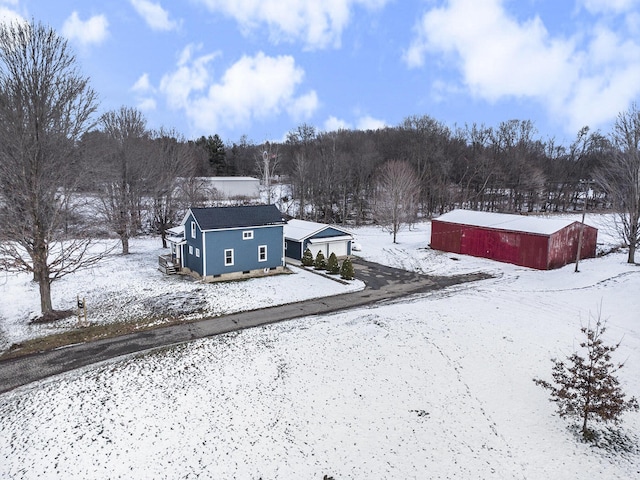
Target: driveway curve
[(382, 284)]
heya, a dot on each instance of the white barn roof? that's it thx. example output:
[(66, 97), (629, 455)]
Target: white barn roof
[(504, 221), (298, 230)]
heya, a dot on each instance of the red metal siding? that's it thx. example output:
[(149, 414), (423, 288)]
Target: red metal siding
[(504, 246), (446, 236), (563, 245), (519, 248)]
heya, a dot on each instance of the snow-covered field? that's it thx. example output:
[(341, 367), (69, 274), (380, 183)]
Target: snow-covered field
[(434, 386), (131, 288)]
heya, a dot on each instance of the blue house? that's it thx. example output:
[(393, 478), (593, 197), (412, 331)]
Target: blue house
[(317, 237), (221, 243)]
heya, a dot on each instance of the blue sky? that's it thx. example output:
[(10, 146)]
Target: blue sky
[(263, 67)]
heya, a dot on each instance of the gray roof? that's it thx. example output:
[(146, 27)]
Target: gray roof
[(215, 218)]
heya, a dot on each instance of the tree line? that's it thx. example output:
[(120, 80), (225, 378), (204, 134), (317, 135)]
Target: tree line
[(68, 178)]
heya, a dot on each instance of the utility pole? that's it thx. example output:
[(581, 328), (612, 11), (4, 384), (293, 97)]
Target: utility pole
[(581, 236)]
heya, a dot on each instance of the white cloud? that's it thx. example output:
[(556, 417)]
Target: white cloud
[(613, 6), (304, 106), (370, 123), (333, 124), (8, 15), (144, 93), (365, 122), (319, 24), (143, 84), (581, 80), (254, 88), (147, 104), (154, 15), (92, 31)]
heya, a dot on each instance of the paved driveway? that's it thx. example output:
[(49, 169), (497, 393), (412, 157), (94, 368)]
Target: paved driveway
[(382, 284)]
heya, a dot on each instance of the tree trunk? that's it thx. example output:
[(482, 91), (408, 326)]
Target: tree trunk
[(125, 244), (41, 276), (632, 253), (46, 305)]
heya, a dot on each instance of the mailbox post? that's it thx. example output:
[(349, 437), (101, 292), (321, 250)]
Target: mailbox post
[(82, 311)]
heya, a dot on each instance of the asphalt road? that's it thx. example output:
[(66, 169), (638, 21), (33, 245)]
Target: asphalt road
[(382, 284)]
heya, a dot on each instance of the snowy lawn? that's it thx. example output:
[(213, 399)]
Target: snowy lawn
[(434, 386), (132, 289)]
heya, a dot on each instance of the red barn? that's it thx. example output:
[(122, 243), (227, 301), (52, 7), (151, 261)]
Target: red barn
[(535, 242)]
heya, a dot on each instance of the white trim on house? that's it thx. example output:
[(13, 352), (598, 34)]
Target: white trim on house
[(260, 247), (228, 264), (204, 254), (247, 234), (330, 239)]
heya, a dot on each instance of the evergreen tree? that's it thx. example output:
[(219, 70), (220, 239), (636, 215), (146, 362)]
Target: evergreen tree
[(586, 388), (346, 271), (320, 263), (216, 152), (307, 258), (333, 267)]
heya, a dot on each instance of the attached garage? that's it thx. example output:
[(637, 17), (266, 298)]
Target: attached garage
[(535, 242), (317, 237)]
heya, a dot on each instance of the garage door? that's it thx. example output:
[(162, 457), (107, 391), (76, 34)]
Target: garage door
[(339, 248), (318, 247)]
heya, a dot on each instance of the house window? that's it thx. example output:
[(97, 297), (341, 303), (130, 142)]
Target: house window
[(193, 229), (190, 249), (198, 252), (262, 253), (228, 257), (247, 235)]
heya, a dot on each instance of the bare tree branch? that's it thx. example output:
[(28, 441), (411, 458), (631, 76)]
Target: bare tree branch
[(45, 108)]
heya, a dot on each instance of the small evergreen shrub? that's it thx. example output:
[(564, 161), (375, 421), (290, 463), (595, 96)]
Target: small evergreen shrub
[(307, 258), (346, 271), (320, 263), (333, 267)]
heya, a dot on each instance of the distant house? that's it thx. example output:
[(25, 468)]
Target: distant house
[(219, 243), (535, 242), (318, 237)]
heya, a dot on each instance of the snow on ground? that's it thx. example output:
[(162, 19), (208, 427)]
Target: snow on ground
[(437, 385), (130, 288)]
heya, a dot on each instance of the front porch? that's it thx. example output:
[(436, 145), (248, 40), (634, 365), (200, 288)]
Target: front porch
[(168, 264)]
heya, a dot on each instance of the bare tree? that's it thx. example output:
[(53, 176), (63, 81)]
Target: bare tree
[(45, 107), (175, 163), (125, 151), (397, 195), (619, 176), (300, 142)]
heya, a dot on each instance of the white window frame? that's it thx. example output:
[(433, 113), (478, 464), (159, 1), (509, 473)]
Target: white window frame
[(197, 252), (193, 229), (260, 248), (227, 262), (190, 249), (247, 234)]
